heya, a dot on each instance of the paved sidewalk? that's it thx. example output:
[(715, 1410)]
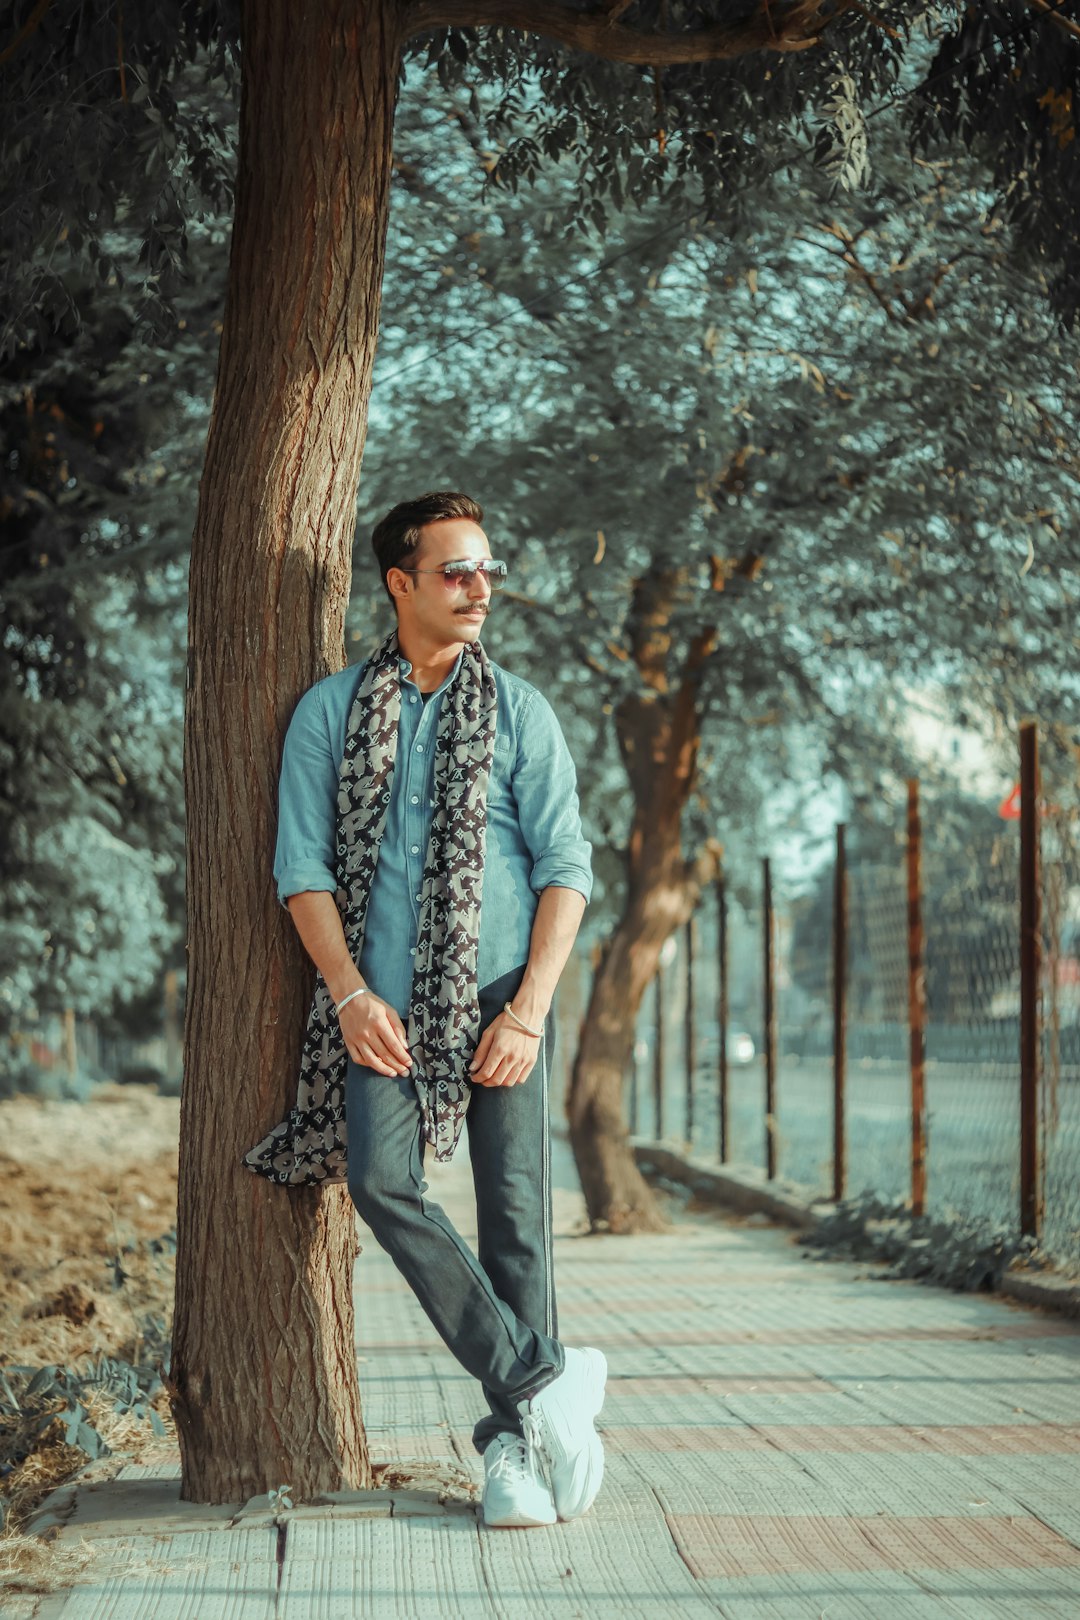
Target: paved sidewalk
[(785, 1437)]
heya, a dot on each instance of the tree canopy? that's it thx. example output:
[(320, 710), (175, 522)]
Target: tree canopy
[(776, 383)]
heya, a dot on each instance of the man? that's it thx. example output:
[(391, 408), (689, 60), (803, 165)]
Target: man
[(435, 791)]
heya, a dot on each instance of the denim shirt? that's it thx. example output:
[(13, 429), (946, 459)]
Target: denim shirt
[(533, 840)]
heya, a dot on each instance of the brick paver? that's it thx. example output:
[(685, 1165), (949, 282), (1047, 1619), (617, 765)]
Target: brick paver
[(786, 1439)]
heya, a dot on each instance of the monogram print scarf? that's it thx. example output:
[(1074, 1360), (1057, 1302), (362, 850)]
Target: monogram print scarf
[(310, 1145)]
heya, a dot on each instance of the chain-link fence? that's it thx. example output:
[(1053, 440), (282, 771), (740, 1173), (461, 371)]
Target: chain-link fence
[(929, 1071)]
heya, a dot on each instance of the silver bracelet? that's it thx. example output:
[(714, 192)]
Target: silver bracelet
[(507, 1008), (363, 991)]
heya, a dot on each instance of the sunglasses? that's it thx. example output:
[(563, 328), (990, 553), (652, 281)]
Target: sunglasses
[(465, 571)]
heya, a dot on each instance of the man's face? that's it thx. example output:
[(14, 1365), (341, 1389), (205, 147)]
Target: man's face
[(425, 602)]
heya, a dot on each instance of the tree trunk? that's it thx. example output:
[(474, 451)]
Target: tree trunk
[(659, 731), (263, 1377)]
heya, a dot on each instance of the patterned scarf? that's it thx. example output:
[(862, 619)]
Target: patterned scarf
[(309, 1145)]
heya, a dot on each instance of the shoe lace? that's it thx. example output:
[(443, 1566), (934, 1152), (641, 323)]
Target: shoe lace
[(512, 1460), (532, 1427)]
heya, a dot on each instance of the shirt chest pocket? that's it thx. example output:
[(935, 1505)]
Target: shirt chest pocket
[(502, 764)]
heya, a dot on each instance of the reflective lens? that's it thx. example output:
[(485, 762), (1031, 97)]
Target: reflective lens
[(464, 572)]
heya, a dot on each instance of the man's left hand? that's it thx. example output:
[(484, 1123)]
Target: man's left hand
[(505, 1055)]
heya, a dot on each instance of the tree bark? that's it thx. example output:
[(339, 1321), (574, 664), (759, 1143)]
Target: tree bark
[(659, 732), (773, 25), (263, 1377)]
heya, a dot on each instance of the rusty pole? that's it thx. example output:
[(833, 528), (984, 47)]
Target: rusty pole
[(916, 1000), (634, 1080), (722, 1015), (769, 1011), (1030, 953), (840, 937), (691, 1033), (658, 1055), (173, 1037)]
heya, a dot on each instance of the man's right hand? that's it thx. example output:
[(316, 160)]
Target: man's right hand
[(375, 1036)]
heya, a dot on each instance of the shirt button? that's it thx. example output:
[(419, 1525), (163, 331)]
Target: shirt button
[(415, 799), (419, 748), (415, 848), (419, 897), (412, 951), (411, 698)]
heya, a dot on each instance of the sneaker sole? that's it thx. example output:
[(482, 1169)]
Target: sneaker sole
[(521, 1521)]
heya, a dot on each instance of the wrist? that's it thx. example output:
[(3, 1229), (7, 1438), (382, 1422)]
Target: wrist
[(343, 980), (530, 1002), (516, 1022)]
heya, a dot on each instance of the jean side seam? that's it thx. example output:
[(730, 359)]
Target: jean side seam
[(545, 1193), (461, 1248)]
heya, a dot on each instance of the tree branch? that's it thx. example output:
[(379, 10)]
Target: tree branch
[(773, 27), (571, 643), (1051, 11), (28, 27)]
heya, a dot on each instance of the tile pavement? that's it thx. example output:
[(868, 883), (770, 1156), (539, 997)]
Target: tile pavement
[(786, 1438)]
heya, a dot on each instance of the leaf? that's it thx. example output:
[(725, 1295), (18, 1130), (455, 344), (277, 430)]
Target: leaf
[(42, 1380), (74, 1418)]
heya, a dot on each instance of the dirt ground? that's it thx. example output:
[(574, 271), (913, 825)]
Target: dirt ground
[(87, 1235)]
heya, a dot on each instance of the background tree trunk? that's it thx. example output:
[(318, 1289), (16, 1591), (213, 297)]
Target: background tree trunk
[(659, 732), (263, 1376)]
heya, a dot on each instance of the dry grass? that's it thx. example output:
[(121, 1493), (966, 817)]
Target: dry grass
[(85, 1189)]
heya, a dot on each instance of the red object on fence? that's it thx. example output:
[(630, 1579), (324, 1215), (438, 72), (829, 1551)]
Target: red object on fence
[(1009, 808)]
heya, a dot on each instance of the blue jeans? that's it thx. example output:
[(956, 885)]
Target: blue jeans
[(494, 1310)]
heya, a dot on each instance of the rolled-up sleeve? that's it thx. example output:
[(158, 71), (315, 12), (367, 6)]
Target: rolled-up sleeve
[(545, 787), (304, 856)]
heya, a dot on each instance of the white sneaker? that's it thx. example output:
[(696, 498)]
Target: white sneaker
[(558, 1424), (515, 1491)]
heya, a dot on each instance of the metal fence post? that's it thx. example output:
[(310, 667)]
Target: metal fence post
[(658, 1055), (840, 936), (722, 1016), (174, 1045), (691, 1032), (916, 1000), (1031, 1209), (71, 1049), (769, 1011), (633, 1079)]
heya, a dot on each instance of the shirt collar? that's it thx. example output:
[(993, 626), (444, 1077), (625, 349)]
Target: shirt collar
[(405, 668)]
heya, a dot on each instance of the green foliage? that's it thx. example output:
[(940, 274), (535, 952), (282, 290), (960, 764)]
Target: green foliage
[(999, 80), (34, 1393), (802, 349), (112, 126), (103, 430), (865, 395), (90, 794), (124, 120), (1005, 84)]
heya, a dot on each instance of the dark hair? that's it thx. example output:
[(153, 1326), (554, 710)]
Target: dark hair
[(396, 536)]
